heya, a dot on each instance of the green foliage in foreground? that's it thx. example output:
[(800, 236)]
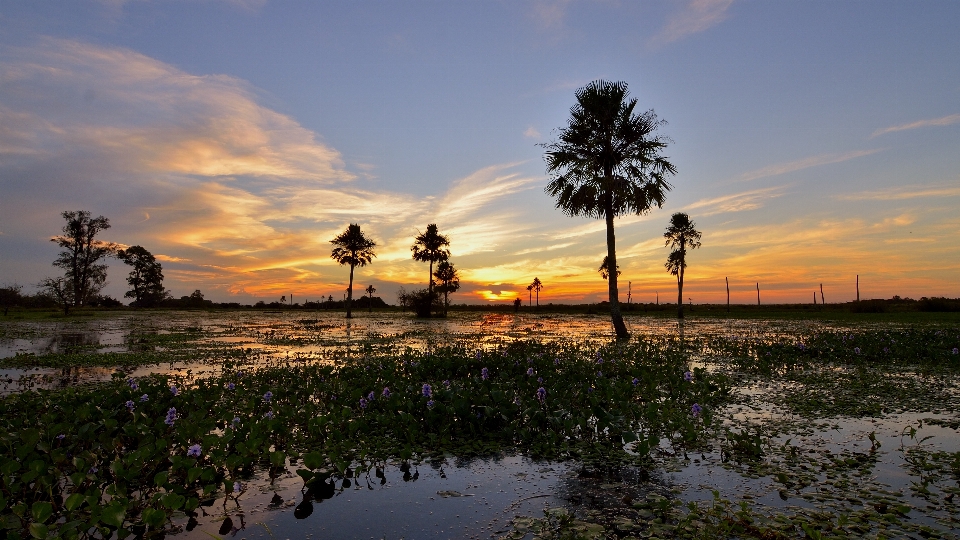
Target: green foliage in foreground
[(123, 457)]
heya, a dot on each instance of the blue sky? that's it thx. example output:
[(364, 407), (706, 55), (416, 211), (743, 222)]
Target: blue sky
[(814, 141)]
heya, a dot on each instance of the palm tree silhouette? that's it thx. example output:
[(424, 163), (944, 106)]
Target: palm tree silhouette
[(605, 270), (370, 290), (355, 249), (530, 294), (431, 247), (680, 235), (537, 286), (606, 164), (449, 282)]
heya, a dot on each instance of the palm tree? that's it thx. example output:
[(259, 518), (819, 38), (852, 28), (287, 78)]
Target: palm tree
[(370, 290), (355, 249), (431, 247), (680, 235), (605, 269), (449, 282), (530, 294), (537, 286), (606, 164)]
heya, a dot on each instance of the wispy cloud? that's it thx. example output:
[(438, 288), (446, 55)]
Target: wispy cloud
[(695, 17), (942, 121), (902, 193), (531, 133), (806, 163), (737, 202), (549, 15)]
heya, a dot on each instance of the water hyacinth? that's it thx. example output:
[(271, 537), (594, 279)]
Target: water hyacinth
[(231, 386), (129, 405), (386, 392), (144, 398), (269, 415), (856, 350), (61, 437), (485, 373), (688, 376), (541, 394), (194, 451), (363, 403), (237, 487), (174, 391), (427, 390), (133, 384), (268, 396), (235, 421), (635, 381), (477, 356), (956, 351), (446, 383), (371, 396), (171, 416), (696, 410), (431, 403), (530, 372)]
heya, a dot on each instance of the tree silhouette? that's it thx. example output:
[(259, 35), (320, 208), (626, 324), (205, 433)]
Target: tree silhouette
[(355, 249), (537, 286), (370, 290), (82, 254), (681, 234), (530, 294), (431, 246), (605, 270), (448, 281), (606, 164), (146, 277)]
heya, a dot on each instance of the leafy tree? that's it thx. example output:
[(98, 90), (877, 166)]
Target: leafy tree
[(10, 296), (60, 290), (680, 235), (146, 277), (448, 279), (431, 246), (606, 164), (370, 290), (355, 249), (537, 286), (605, 269), (82, 254)]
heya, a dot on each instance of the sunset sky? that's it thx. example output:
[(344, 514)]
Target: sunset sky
[(814, 141)]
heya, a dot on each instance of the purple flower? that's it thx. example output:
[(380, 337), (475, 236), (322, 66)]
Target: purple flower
[(688, 376), (430, 404), (856, 350), (541, 394), (530, 372), (129, 405), (371, 396), (237, 487), (193, 451), (485, 373), (268, 396), (133, 384), (696, 410), (363, 403), (427, 390), (635, 381), (93, 470), (446, 383), (540, 380), (231, 386), (956, 351), (174, 391), (386, 391), (269, 415), (478, 355), (556, 361), (516, 400), (171, 416), (61, 437), (235, 421), (144, 398), (599, 374)]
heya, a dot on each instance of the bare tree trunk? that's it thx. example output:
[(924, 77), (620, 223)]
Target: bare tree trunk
[(728, 294), (821, 295), (350, 292), (615, 315), (758, 293)]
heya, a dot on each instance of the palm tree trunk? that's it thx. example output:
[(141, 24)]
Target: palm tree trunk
[(350, 292), (680, 293), (615, 316), (430, 281)]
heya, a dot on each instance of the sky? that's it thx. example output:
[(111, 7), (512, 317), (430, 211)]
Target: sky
[(815, 142)]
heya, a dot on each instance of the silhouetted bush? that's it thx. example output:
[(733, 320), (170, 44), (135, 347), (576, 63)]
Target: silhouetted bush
[(938, 304), (424, 302), (869, 306)]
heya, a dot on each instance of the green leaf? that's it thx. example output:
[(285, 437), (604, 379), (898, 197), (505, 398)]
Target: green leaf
[(313, 460), (41, 511), (154, 518), (10, 467), (161, 478), (277, 458), (74, 501), (113, 515), (172, 500), (30, 436), (38, 530), (193, 474)]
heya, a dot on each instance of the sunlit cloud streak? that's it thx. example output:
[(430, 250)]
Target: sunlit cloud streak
[(736, 202), (942, 121), (806, 163), (695, 17), (903, 193)]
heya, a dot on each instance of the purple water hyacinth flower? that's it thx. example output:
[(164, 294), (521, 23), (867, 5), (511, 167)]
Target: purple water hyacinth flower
[(529, 360), (144, 398), (431, 403), (530, 372), (235, 421), (133, 384), (696, 409), (174, 391), (446, 383), (427, 390), (386, 391), (556, 361), (541, 394), (231, 386), (171, 416), (540, 380), (635, 381), (93, 470), (129, 405), (599, 374), (856, 350), (484, 373), (363, 403), (956, 351), (237, 487), (371, 396), (478, 354), (194, 451), (516, 401), (61, 437), (688, 376), (268, 396), (269, 415)]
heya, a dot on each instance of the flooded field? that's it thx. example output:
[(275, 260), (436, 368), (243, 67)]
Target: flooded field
[(821, 429)]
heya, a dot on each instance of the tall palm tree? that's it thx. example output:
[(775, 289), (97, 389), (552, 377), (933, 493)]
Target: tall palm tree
[(355, 249), (537, 286), (530, 294), (448, 279), (370, 290), (431, 246), (608, 163), (680, 235)]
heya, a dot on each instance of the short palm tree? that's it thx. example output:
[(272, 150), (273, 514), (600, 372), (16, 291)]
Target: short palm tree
[(680, 236), (448, 281), (431, 246), (605, 269), (537, 286), (355, 249), (608, 163), (370, 290)]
